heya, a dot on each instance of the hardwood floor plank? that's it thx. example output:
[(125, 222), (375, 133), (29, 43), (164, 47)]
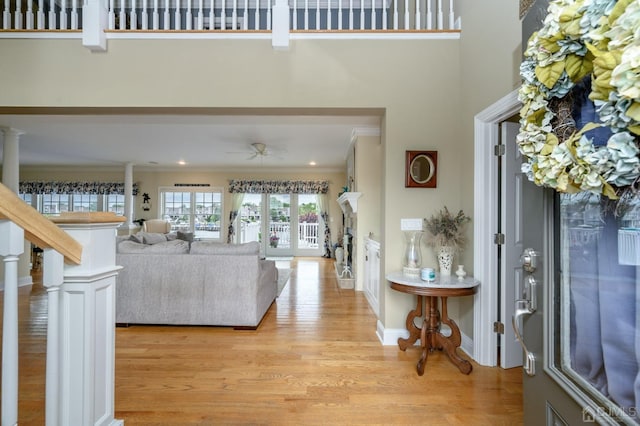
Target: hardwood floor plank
[(315, 359)]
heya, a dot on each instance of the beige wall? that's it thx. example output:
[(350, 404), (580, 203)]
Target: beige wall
[(427, 92)]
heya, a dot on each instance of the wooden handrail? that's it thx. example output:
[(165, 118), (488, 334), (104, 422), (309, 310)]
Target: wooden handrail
[(37, 228)]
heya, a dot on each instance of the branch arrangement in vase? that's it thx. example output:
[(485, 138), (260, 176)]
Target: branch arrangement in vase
[(446, 229)]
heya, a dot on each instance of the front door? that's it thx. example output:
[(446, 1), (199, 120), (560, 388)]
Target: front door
[(582, 332)]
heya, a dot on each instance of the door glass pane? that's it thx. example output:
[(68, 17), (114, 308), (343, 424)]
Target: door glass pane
[(207, 217), (279, 221), (308, 221), (597, 303), (177, 209), (250, 218)]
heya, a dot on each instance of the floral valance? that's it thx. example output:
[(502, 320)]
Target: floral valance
[(279, 186), (58, 187)]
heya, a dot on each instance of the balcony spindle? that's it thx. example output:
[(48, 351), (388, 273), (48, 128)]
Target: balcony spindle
[(374, 24), (395, 14), (452, 17), (362, 14), (351, 14), (200, 26), (429, 16), (406, 14), (63, 15), (40, 15), (155, 16), (52, 279), (29, 23), (6, 15), (122, 25), (223, 16), (167, 17), (418, 24), (339, 14), (74, 14), (234, 15), (189, 16), (256, 24), (18, 16), (245, 16), (329, 24), (212, 15), (317, 14), (294, 21), (440, 17), (269, 15), (133, 16), (384, 14), (306, 14), (177, 25)]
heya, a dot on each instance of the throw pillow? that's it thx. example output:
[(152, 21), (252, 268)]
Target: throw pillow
[(169, 247), (208, 247), (153, 238), (137, 238), (185, 236)]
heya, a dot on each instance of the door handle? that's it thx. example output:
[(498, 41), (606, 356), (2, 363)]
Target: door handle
[(526, 307)]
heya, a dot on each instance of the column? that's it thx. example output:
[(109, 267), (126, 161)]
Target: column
[(11, 158), (128, 197)]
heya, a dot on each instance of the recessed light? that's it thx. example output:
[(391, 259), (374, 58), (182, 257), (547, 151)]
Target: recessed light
[(312, 163), (182, 162)]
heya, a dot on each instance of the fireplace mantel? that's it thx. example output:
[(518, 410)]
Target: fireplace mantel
[(349, 199)]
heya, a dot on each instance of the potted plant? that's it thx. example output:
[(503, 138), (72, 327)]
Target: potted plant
[(445, 232), (273, 240)]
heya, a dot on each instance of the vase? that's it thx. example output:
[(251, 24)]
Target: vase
[(445, 260), (412, 256), (460, 272)]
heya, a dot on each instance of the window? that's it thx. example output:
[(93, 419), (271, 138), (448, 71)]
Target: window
[(54, 204), (193, 209), (115, 203)]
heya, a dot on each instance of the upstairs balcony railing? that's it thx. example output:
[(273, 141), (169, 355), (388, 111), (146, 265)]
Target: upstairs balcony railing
[(101, 19)]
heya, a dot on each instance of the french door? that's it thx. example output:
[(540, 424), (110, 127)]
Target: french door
[(580, 310), (284, 224)]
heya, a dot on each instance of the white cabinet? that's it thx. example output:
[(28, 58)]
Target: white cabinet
[(372, 273)]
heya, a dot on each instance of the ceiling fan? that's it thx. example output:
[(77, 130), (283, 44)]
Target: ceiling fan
[(259, 149)]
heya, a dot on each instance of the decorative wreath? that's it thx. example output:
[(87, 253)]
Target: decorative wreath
[(592, 41)]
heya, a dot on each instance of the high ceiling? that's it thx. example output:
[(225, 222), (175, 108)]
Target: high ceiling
[(200, 141)]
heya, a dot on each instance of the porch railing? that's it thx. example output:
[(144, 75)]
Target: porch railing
[(307, 233), (211, 16), (75, 381)]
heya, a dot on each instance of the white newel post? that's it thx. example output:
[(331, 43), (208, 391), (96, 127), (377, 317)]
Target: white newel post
[(95, 20), (85, 306), (11, 247), (280, 26)]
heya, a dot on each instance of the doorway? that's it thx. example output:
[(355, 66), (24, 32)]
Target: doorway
[(486, 268)]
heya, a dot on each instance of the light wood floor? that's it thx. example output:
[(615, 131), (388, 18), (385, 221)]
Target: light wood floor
[(315, 359)]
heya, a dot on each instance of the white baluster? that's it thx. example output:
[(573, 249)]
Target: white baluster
[(384, 14), (295, 14), (373, 15), (166, 25), (256, 24), (440, 18), (429, 16), (74, 14), (52, 279), (223, 16), (52, 15), (200, 15), (63, 15), (11, 246), (452, 18), (17, 24), (351, 14), (133, 16), (29, 15), (306, 14), (339, 14), (177, 25), (145, 15), (328, 14), (212, 15), (122, 25), (40, 15), (418, 13), (269, 14), (112, 15), (6, 16), (362, 14), (155, 16), (245, 16), (406, 14), (395, 14), (189, 16), (317, 26)]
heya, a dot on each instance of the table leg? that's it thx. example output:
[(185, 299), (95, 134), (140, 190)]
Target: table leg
[(414, 332), (424, 342), (451, 343)]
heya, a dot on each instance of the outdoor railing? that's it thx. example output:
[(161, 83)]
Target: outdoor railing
[(307, 233), (229, 15)]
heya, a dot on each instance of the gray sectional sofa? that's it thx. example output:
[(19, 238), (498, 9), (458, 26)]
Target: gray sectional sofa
[(200, 283)]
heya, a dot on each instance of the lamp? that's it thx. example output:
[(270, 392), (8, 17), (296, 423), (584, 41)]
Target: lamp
[(412, 259)]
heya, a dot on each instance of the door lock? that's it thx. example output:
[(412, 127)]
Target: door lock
[(529, 260)]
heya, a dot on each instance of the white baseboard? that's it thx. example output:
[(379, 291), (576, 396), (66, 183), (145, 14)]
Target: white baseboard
[(22, 282), (390, 336)]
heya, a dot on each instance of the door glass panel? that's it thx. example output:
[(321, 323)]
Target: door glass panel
[(207, 218), (279, 221), (596, 304), (250, 218), (308, 221)]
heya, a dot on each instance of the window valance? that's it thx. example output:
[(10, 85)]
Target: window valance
[(59, 187), (279, 186)]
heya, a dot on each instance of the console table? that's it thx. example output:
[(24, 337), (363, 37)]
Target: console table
[(430, 334)]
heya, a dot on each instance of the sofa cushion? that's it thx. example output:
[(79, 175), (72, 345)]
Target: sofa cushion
[(208, 247), (153, 238), (137, 238), (185, 236), (166, 247)]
